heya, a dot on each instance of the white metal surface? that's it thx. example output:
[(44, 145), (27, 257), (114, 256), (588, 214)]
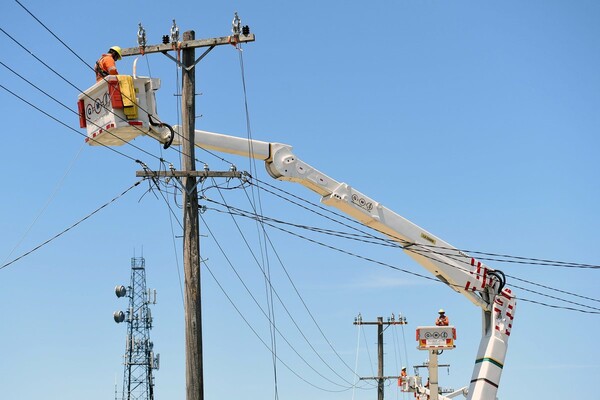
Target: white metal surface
[(108, 125), (436, 337)]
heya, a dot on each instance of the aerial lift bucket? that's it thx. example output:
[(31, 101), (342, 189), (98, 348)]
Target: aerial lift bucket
[(119, 108)]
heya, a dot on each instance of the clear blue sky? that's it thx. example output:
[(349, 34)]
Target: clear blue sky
[(478, 121)]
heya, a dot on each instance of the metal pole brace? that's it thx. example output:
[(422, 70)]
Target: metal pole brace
[(180, 64)]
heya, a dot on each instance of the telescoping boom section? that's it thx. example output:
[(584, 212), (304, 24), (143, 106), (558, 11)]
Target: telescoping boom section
[(482, 285)]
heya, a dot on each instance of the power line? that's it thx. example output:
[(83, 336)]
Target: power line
[(272, 290), (59, 121), (301, 298), (46, 204), (416, 248), (70, 227), (273, 225), (52, 33), (534, 261), (252, 162), (248, 323), (260, 339)]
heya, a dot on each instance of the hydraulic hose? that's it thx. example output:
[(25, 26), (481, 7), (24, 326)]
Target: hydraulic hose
[(167, 144)]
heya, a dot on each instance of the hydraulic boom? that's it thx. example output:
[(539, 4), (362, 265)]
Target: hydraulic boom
[(482, 285)]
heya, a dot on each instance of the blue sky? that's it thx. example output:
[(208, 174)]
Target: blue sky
[(478, 121)]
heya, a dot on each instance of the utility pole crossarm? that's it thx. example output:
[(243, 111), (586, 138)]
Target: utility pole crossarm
[(188, 44), (364, 378), (187, 174)]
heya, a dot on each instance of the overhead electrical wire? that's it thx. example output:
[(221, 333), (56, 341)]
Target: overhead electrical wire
[(273, 225), (257, 204), (70, 227), (421, 275), (261, 339), (46, 204), (533, 261), (371, 363), (275, 294), (52, 33), (268, 240), (171, 216), (414, 248), (426, 253), (61, 122), (265, 314), (302, 300)]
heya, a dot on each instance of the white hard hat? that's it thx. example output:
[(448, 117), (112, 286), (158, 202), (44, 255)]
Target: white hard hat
[(441, 311)]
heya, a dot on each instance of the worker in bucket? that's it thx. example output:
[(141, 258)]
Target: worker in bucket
[(106, 64), (402, 377), (442, 320)]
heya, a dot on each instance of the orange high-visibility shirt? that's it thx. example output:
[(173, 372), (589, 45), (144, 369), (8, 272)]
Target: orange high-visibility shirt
[(105, 66), (442, 321)]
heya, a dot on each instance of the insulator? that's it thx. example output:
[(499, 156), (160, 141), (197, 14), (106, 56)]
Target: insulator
[(174, 32), (236, 24), (141, 35), (166, 39), (246, 30)]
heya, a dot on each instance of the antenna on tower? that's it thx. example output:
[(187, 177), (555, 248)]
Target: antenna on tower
[(139, 360)]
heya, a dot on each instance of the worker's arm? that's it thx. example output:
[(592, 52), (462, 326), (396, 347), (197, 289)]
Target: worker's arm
[(108, 65)]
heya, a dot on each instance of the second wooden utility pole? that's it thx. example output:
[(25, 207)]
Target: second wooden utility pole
[(380, 376)]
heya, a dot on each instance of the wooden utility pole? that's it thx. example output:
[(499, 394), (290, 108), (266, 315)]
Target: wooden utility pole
[(380, 323), (194, 375), (189, 175)]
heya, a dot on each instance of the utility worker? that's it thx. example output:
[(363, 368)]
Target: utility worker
[(402, 377), (442, 320), (106, 64)]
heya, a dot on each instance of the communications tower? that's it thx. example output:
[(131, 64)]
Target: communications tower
[(139, 359)]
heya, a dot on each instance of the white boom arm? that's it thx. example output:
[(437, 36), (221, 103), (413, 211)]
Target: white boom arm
[(482, 285)]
